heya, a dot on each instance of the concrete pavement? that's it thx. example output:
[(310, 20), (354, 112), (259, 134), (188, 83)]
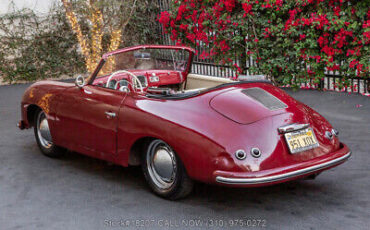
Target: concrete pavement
[(77, 192)]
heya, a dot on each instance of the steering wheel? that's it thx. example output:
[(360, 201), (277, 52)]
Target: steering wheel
[(129, 73)]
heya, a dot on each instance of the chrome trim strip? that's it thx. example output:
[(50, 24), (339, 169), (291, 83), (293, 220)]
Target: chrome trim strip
[(181, 78), (110, 114), (260, 180), (292, 127)]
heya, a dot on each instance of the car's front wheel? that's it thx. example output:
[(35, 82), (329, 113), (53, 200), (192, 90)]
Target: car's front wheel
[(43, 136), (164, 171)]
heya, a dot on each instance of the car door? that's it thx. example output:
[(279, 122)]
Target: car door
[(88, 118)]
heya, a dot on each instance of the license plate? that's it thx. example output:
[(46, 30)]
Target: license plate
[(301, 140)]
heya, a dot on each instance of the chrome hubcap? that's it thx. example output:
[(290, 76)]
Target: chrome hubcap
[(43, 131), (161, 163)]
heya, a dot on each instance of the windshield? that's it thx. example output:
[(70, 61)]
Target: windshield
[(147, 59)]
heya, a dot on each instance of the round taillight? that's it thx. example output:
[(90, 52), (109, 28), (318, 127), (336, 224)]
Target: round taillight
[(255, 152), (240, 154)]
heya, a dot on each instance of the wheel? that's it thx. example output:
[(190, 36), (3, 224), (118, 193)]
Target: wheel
[(43, 136), (165, 172)]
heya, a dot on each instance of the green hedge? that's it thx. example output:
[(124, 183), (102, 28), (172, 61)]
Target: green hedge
[(34, 47)]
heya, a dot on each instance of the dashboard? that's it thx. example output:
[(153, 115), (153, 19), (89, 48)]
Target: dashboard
[(152, 78)]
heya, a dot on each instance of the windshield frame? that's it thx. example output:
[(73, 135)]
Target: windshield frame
[(191, 51)]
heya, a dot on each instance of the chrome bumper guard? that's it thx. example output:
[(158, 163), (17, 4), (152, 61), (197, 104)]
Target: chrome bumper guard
[(267, 179)]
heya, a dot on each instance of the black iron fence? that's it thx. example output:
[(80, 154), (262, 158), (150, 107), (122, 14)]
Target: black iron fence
[(210, 67)]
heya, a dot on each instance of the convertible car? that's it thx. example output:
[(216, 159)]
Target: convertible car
[(142, 107)]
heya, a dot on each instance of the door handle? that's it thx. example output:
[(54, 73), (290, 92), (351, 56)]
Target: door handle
[(110, 114), (87, 91)]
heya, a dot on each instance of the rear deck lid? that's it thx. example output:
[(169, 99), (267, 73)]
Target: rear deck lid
[(249, 105)]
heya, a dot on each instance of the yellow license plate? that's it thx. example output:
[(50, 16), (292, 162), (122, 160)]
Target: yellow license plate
[(301, 140)]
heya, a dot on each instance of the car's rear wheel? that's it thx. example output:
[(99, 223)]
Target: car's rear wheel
[(164, 171), (43, 136)]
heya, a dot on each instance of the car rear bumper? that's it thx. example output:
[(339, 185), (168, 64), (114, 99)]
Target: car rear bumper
[(253, 179)]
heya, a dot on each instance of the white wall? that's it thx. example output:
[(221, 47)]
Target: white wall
[(39, 6)]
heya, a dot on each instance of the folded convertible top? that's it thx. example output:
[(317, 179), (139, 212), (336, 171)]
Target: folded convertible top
[(178, 96)]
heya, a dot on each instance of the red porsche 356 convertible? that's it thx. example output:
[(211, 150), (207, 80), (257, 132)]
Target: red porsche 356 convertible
[(142, 107)]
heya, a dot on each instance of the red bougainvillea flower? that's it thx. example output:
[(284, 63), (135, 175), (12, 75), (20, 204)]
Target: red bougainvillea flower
[(184, 27), (353, 63), (181, 10), (247, 9), (164, 18), (229, 4)]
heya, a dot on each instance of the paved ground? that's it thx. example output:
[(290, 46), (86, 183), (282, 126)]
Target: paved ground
[(77, 192)]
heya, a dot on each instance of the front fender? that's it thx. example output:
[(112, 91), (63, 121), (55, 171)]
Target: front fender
[(43, 95)]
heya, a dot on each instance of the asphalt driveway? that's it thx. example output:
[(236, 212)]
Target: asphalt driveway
[(77, 192)]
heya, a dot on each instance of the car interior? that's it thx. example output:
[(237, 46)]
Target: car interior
[(159, 73)]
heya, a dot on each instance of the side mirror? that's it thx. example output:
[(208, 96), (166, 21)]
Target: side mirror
[(124, 89), (80, 81)]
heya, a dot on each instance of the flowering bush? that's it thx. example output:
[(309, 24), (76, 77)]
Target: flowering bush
[(288, 39)]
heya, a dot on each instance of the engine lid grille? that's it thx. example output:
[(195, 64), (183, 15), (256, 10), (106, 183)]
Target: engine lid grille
[(266, 99)]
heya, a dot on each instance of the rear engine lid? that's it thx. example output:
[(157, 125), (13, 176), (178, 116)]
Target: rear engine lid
[(249, 105)]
